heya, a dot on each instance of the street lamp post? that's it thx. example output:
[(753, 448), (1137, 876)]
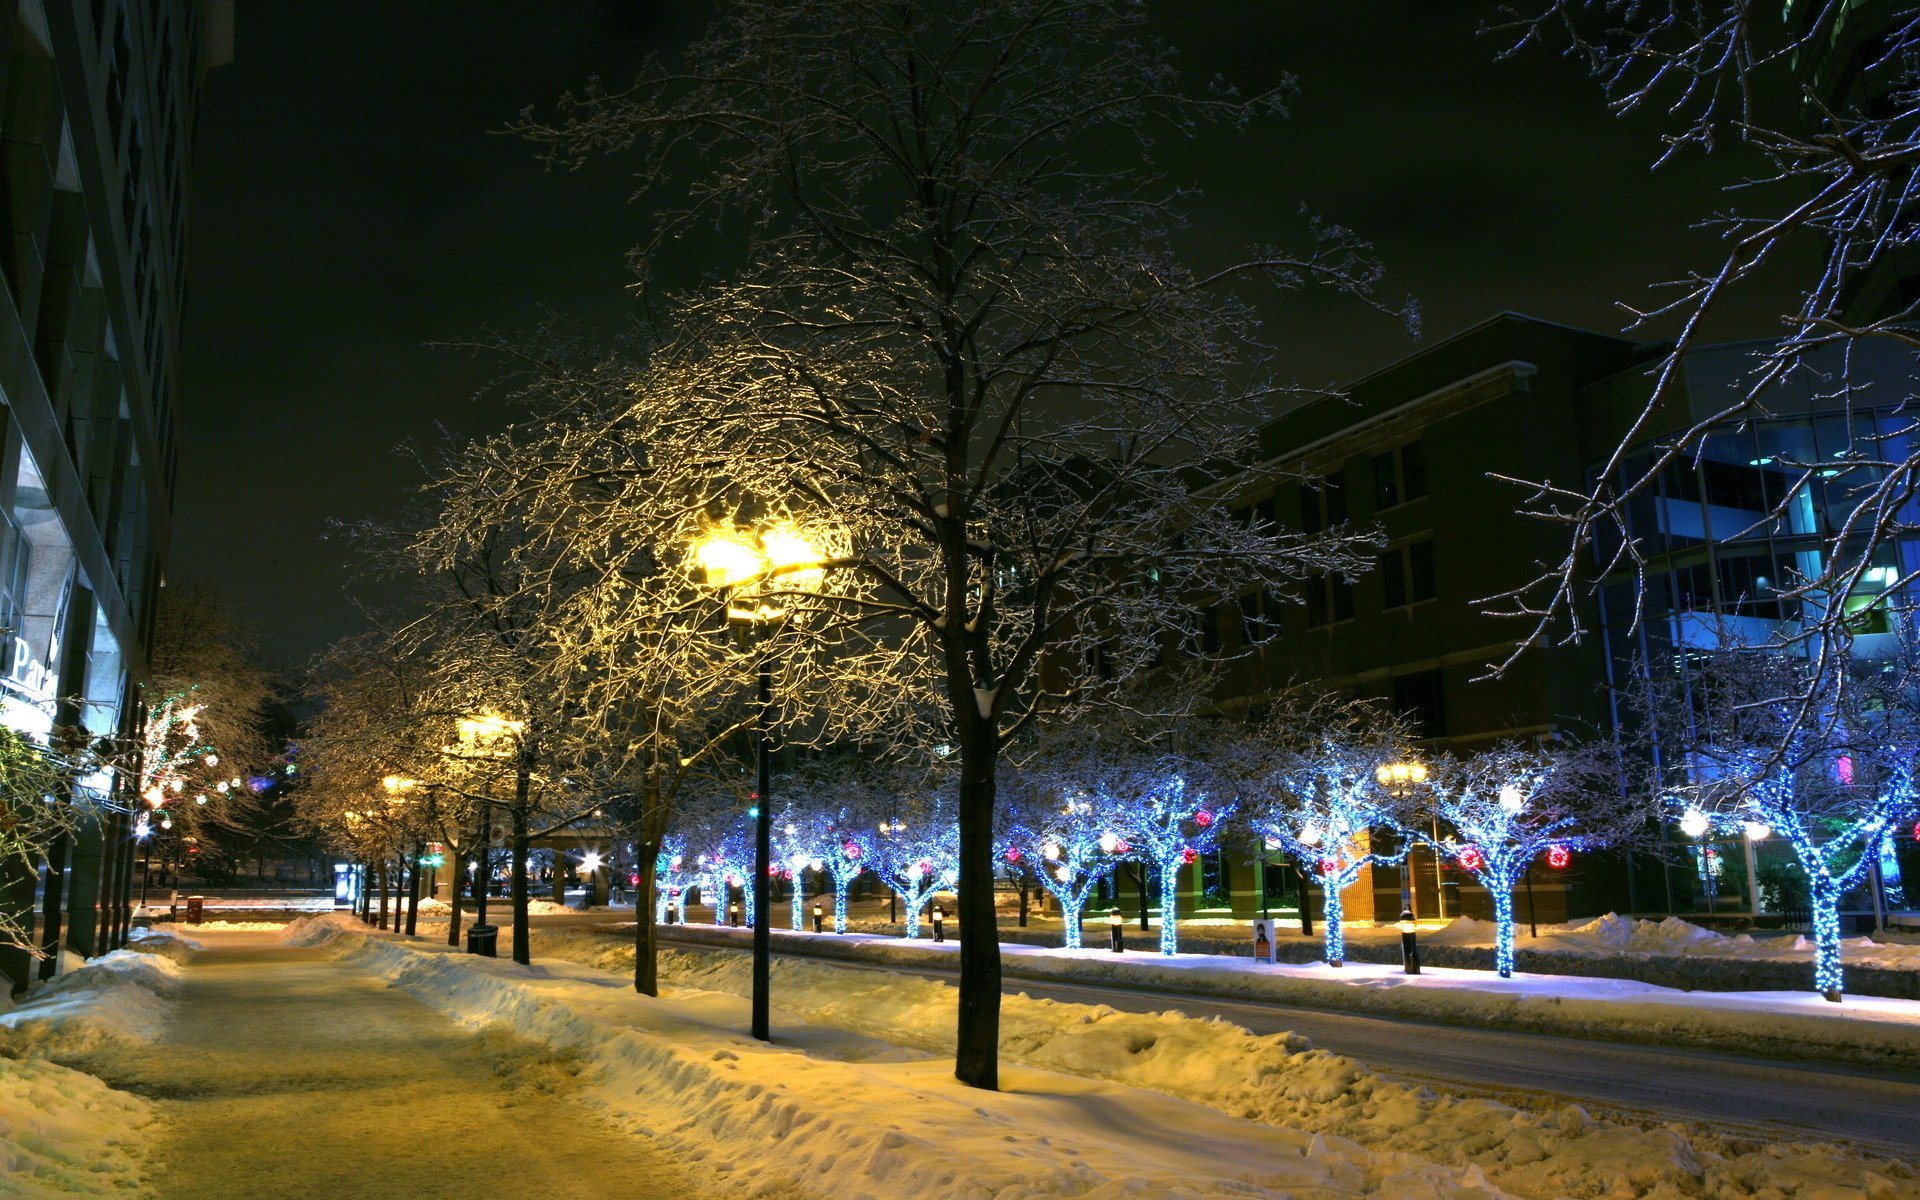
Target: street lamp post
[(750, 568), (1400, 778)]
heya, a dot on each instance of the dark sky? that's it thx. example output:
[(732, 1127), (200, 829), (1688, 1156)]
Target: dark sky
[(354, 206)]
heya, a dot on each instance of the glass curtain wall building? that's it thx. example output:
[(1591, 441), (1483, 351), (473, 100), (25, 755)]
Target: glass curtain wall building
[(97, 113)]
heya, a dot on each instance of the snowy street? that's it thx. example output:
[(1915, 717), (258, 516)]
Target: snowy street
[(282, 1065)]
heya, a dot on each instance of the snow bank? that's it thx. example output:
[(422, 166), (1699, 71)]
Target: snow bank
[(63, 1133), (117, 998), (1280, 1080), (844, 1120)]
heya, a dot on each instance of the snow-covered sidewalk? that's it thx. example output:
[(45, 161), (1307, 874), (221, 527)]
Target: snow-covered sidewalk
[(1863, 1029), (1122, 1101)]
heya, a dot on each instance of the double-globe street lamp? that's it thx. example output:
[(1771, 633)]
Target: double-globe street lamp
[(1400, 779), (752, 567)]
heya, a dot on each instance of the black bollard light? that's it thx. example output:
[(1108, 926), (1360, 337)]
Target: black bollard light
[(939, 924), (1117, 932), (1409, 943), (733, 914), (672, 914), (818, 917)]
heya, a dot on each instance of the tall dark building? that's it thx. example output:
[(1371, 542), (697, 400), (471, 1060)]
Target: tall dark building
[(96, 143)]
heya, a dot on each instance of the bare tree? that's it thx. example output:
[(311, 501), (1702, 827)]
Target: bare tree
[(958, 337), (1834, 188)]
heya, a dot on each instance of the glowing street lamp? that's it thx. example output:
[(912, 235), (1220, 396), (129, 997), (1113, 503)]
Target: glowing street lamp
[(752, 568), (1400, 779)]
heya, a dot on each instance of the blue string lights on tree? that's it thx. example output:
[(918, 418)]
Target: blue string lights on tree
[(1512, 806), (1823, 754), (803, 839), (1069, 845), (1327, 803), (850, 853), (918, 855), (1170, 826)]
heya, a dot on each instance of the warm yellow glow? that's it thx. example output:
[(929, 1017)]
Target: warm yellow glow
[(399, 783), (488, 726), (792, 559), (727, 557)]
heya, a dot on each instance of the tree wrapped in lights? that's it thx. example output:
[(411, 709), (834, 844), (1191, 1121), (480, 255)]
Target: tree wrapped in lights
[(1513, 805), (1324, 801), (1825, 754), (667, 875), (804, 838), (1168, 824), (1069, 841), (918, 854)]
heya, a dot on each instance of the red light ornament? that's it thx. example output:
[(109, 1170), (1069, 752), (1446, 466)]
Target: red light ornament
[(1470, 858), (1558, 857), (1203, 818), (1189, 857), (1014, 855)]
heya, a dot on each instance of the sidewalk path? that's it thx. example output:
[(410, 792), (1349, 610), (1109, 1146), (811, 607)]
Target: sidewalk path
[(288, 1075)]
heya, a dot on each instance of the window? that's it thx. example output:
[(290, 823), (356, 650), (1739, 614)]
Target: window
[(1323, 504), (1214, 886), (1406, 574), (1329, 600), (1399, 475), (1259, 616), (1421, 699), (1209, 618)]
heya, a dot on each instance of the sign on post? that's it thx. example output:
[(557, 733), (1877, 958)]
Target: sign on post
[(1264, 948)]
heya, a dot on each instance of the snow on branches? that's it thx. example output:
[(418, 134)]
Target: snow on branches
[(1512, 805), (1759, 744)]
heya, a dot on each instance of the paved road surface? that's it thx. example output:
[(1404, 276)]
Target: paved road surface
[(284, 1074), (1803, 1101)]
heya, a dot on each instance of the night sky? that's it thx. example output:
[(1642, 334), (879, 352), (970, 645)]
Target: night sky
[(355, 208)]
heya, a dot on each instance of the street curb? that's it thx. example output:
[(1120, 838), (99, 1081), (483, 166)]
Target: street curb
[(1765, 1033)]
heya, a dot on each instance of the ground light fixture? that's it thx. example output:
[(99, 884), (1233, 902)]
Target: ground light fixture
[(1409, 943), (939, 924), (1117, 931), (819, 917)]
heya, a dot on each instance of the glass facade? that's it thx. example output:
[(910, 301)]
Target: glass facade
[(1730, 537)]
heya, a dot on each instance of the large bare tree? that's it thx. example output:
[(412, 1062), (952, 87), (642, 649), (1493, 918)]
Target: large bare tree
[(1818, 227), (954, 330)]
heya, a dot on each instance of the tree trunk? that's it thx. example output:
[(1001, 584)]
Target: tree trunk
[(413, 889), (1824, 900), (1169, 907), (646, 860), (1336, 936), (977, 1057), (1023, 903), (522, 931), (1502, 930), (1140, 886), (383, 893), (453, 904), (1070, 917), (840, 903)]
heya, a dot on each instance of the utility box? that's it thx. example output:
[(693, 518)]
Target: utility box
[(196, 905)]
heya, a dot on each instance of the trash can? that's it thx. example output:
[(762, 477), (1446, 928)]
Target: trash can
[(484, 939), (195, 906)]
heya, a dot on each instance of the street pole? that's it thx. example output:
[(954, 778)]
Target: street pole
[(763, 860), (483, 865)]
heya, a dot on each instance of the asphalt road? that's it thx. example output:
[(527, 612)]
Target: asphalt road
[(1752, 1096)]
